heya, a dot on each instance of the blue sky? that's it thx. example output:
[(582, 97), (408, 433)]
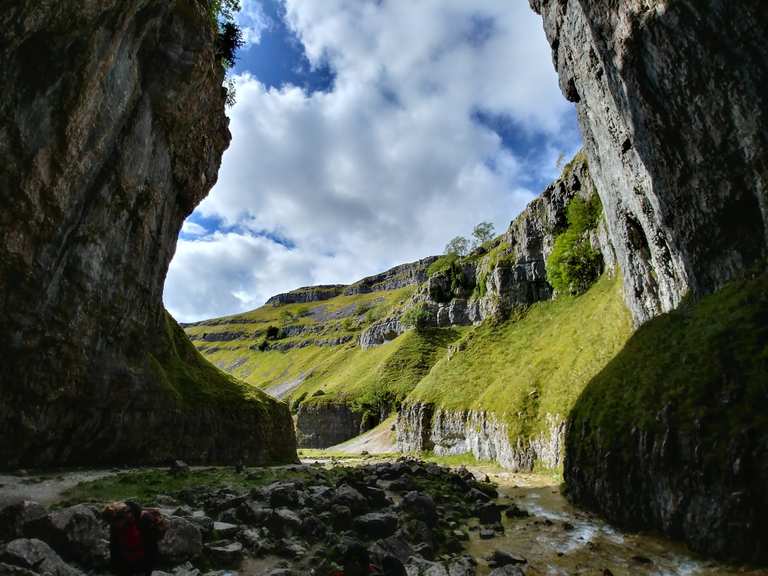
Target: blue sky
[(368, 133)]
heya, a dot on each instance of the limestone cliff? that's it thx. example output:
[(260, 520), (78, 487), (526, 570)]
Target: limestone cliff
[(112, 128), (671, 98)]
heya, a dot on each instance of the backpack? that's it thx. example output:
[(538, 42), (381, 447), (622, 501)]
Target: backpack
[(130, 543)]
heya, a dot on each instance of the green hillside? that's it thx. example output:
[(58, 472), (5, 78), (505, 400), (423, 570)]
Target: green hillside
[(535, 364)]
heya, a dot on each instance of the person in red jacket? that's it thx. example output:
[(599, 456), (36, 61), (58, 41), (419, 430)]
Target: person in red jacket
[(134, 535)]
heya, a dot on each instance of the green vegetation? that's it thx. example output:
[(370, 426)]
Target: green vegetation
[(538, 364), (443, 264), (705, 366), (415, 317), (187, 375), (373, 381), (573, 264), (458, 246), (144, 485)]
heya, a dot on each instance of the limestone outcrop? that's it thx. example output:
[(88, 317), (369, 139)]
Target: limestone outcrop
[(112, 128), (325, 424), (425, 427), (674, 126), (671, 99)]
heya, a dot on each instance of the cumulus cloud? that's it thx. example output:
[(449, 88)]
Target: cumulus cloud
[(386, 166), (253, 21)]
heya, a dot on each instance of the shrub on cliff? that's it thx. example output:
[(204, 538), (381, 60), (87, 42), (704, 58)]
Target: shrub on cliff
[(415, 317), (574, 265)]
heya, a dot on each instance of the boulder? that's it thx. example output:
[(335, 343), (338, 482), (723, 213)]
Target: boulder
[(35, 555), (225, 553), (182, 541), (489, 514), (76, 533), (376, 525), (500, 558), (508, 570), (347, 496), (419, 505), (15, 514), (225, 530)]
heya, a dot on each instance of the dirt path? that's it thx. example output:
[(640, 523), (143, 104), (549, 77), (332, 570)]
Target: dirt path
[(46, 488), (380, 440)]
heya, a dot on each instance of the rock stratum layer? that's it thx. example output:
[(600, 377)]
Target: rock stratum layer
[(112, 128), (671, 99)]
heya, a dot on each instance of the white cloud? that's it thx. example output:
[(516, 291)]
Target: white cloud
[(252, 21), (386, 167), (193, 229)]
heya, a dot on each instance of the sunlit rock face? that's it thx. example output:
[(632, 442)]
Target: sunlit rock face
[(112, 128), (671, 98)]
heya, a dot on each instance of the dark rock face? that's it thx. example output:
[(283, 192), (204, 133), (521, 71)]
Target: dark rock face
[(675, 130), (112, 132), (320, 425), (671, 98)]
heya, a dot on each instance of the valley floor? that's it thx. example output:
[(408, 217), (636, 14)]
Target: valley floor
[(551, 535)]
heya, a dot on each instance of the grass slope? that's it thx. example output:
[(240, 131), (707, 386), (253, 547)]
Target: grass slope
[(707, 362), (371, 380), (533, 365)]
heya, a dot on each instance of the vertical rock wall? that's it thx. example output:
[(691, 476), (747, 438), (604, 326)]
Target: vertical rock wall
[(671, 98), (112, 128)]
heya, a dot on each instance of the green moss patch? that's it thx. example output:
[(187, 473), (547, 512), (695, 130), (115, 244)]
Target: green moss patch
[(705, 365)]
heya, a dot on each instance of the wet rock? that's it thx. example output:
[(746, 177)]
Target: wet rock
[(500, 558), (35, 555), (77, 533), (489, 513), (487, 534), (225, 553), (376, 525), (182, 541), (515, 511), (341, 516)]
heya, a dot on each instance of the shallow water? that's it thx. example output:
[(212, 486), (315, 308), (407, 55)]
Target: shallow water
[(590, 546)]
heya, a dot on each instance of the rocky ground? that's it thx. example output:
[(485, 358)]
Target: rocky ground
[(412, 510), (291, 520)]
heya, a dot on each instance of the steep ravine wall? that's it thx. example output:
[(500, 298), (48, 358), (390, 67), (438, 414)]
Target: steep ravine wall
[(424, 427), (671, 99), (322, 425), (674, 125), (112, 128)]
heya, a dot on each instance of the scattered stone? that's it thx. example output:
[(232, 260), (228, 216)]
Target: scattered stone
[(225, 552), (16, 514), (182, 541), (419, 505), (487, 534), (642, 559), (35, 555), (515, 511), (76, 533), (501, 558), (348, 496), (460, 535), (225, 530), (489, 514), (567, 526), (376, 525), (508, 570)]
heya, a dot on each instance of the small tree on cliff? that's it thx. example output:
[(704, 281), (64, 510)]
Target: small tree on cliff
[(482, 233), (459, 246)]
